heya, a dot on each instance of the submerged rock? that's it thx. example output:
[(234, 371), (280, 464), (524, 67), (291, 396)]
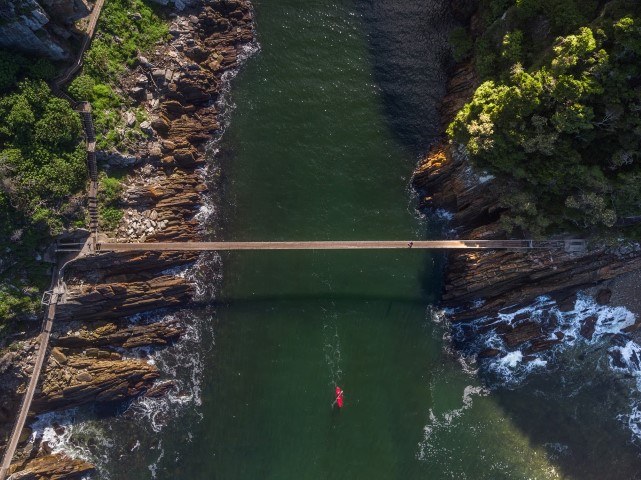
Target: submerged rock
[(603, 296), (588, 326)]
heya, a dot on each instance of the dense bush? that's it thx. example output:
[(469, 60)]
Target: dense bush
[(14, 66), (41, 162), (126, 27), (42, 166), (566, 136)]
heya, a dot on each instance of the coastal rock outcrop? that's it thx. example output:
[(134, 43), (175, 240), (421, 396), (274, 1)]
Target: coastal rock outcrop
[(481, 284), (178, 85), (54, 466), (115, 300), (113, 334), (95, 376), (40, 27)]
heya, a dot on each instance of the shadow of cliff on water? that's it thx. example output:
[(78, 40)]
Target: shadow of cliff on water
[(410, 56), (572, 415)]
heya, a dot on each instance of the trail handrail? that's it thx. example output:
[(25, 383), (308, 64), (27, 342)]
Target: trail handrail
[(25, 403)]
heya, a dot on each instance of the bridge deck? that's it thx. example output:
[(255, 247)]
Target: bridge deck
[(329, 245)]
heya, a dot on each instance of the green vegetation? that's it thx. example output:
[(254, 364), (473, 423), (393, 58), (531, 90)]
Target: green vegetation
[(462, 43), (42, 161), (14, 67), (42, 168), (559, 122), (126, 28), (105, 107), (108, 199)]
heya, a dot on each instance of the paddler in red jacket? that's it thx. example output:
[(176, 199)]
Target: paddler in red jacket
[(339, 397)]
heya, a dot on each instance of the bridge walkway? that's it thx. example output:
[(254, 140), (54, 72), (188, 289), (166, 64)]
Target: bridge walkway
[(567, 245)]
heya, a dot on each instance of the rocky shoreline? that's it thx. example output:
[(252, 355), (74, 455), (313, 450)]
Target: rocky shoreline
[(178, 85), (485, 286)]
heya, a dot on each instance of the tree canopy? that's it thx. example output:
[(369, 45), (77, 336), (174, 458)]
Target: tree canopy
[(565, 136), (41, 162)]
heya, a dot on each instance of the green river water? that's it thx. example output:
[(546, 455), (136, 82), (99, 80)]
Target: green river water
[(309, 154), (330, 117)]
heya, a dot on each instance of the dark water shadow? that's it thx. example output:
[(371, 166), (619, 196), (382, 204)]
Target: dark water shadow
[(410, 55), (571, 417), (270, 300), (432, 278)]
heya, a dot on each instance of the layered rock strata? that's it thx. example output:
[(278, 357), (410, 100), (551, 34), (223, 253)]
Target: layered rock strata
[(483, 284), (51, 467), (178, 85)]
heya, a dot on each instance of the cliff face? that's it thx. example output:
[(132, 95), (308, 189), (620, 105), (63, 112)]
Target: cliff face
[(482, 284), (177, 84), (42, 27)]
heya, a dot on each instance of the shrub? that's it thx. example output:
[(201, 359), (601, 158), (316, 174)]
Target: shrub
[(122, 36), (512, 48), (81, 88), (110, 217), (41, 162), (109, 192)]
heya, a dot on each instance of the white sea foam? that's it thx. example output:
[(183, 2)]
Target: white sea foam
[(633, 421), (75, 432), (90, 439), (82, 436), (443, 214), (332, 349), (183, 363), (428, 449), (153, 468), (486, 178), (439, 317), (513, 366)]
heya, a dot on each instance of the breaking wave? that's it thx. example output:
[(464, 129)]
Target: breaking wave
[(582, 328), (78, 433), (438, 423)]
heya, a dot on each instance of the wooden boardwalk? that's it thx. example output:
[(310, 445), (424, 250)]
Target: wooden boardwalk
[(57, 295), (41, 353)]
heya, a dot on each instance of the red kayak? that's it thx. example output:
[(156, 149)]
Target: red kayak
[(339, 397)]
